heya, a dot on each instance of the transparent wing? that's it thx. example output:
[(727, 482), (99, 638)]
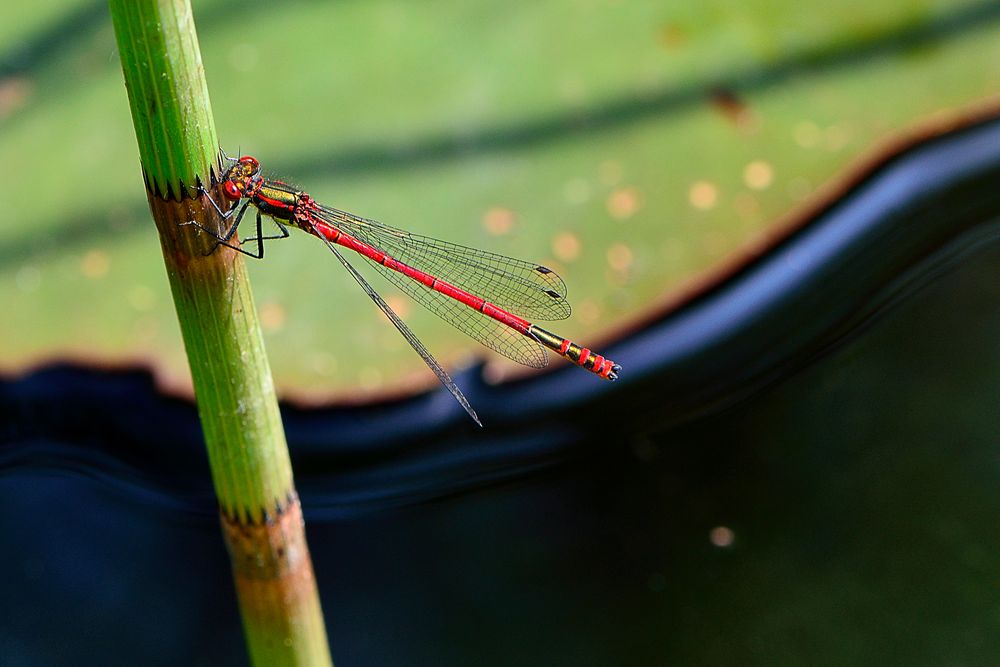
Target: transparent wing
[(410, 337), (524, 288), (489, 332)]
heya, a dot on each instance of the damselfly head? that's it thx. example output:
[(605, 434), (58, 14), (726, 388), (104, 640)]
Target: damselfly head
[(240, 176), (250, 162)]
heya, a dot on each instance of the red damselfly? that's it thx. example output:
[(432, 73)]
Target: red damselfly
[(481, 293)]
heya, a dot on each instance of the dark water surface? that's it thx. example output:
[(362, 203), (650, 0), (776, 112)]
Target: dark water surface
[(801, 469)]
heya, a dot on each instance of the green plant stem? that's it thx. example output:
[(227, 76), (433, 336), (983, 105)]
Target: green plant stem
[(259, 508)]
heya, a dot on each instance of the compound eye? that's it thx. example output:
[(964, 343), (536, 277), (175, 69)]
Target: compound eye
[(233, 192), (252, 161)]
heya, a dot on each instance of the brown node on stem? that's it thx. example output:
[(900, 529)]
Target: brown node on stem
[(270, 559)]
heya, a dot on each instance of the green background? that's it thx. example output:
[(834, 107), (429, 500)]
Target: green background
[(632, 146)]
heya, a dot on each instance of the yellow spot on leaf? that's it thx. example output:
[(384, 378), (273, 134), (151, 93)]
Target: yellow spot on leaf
[(566, 246), (95, 264), (272, 316), (623, 203), (619, 257), (758, 175), (399, 304), (498, 220), (703, 195)]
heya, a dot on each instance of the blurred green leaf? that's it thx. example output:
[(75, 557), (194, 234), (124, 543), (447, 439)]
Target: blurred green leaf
[(633, 146)]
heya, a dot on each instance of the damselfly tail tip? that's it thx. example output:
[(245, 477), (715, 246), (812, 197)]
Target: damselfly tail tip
[(615, 370)]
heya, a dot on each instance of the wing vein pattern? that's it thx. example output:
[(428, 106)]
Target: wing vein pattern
[(523, 288), (410, 337)]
